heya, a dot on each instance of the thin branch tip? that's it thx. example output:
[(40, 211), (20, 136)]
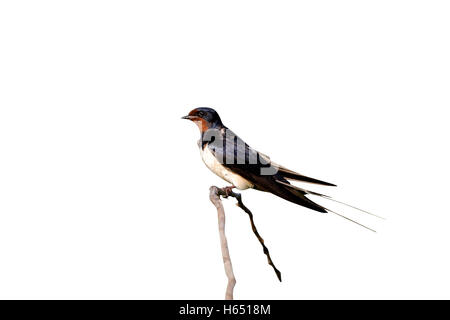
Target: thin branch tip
[(225, 193)]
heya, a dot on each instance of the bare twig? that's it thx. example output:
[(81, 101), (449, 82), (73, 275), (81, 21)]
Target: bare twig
[(214, 196), (241, 205)]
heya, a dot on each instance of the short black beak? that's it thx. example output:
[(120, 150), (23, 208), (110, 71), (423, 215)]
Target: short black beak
[(187, 117)]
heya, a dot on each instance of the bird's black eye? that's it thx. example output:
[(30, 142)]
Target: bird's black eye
[(201, 113)]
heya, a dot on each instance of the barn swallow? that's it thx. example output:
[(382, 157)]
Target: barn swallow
[(229, 157)]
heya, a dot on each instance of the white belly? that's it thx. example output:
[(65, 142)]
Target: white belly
[(215, 166)]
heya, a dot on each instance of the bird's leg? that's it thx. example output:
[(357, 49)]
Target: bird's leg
[(228, 190)]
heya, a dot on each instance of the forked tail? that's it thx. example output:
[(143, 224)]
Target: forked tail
[(301, 199)]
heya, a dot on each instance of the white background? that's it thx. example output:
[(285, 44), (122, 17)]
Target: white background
[(102, 190)]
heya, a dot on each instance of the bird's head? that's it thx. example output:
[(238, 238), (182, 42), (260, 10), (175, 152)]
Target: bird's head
[(204, 118)]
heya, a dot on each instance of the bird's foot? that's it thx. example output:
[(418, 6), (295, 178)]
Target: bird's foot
[(228, 190)]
